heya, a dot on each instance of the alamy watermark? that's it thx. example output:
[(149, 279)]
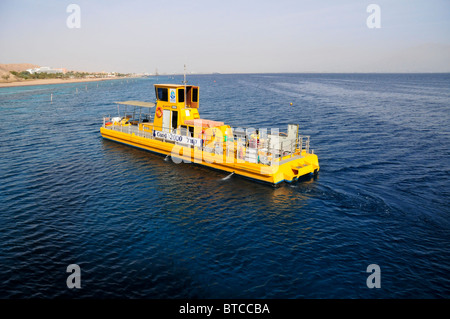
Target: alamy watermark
[(74, 279), (374, 20), (238, 145), (374, 280), (74, 19)]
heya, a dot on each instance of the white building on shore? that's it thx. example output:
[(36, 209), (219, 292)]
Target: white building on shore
[(46, 69)]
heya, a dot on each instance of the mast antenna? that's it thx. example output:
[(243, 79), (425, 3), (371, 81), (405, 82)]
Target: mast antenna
[(184, 82)]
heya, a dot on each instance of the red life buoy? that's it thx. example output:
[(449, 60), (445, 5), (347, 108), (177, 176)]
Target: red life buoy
[(159, 111)]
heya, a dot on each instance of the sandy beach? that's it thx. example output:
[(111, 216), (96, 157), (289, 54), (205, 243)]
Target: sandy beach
[(53, 81)]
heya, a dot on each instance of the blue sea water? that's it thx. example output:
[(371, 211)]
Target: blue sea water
[(142, 227)]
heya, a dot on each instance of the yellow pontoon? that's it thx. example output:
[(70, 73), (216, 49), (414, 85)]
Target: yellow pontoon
[(174, 128)]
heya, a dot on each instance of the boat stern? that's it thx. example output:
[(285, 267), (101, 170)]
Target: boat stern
[(290, 170)]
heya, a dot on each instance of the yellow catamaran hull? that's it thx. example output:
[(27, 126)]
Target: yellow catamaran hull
[(287, 169)]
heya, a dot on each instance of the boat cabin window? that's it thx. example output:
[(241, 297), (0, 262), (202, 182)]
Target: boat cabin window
[(181, 95), (191, 131), (174, 119), (195, 95), (162, 94)]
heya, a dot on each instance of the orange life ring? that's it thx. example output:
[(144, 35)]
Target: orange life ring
[(159, 111)]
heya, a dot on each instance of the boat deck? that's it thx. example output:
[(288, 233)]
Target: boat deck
[(261, 152)]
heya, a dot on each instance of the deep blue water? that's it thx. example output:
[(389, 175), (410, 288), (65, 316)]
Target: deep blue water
[(142, 227)]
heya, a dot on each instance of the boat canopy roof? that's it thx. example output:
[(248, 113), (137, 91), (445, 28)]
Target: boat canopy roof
[(138, 103), (172, 85)]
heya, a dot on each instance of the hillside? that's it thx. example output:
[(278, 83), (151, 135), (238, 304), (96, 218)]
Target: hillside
[(6, 76), (18, 67)]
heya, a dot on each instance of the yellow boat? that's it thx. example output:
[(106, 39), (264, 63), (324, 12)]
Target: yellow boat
[(175, 129)]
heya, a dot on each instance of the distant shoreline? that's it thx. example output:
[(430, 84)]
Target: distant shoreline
[(53, 81)]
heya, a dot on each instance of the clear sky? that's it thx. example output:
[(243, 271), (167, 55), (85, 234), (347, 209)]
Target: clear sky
[(228, 36)]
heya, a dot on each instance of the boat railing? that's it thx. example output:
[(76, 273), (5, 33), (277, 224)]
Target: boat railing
[(303, 143), (267, 149)]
